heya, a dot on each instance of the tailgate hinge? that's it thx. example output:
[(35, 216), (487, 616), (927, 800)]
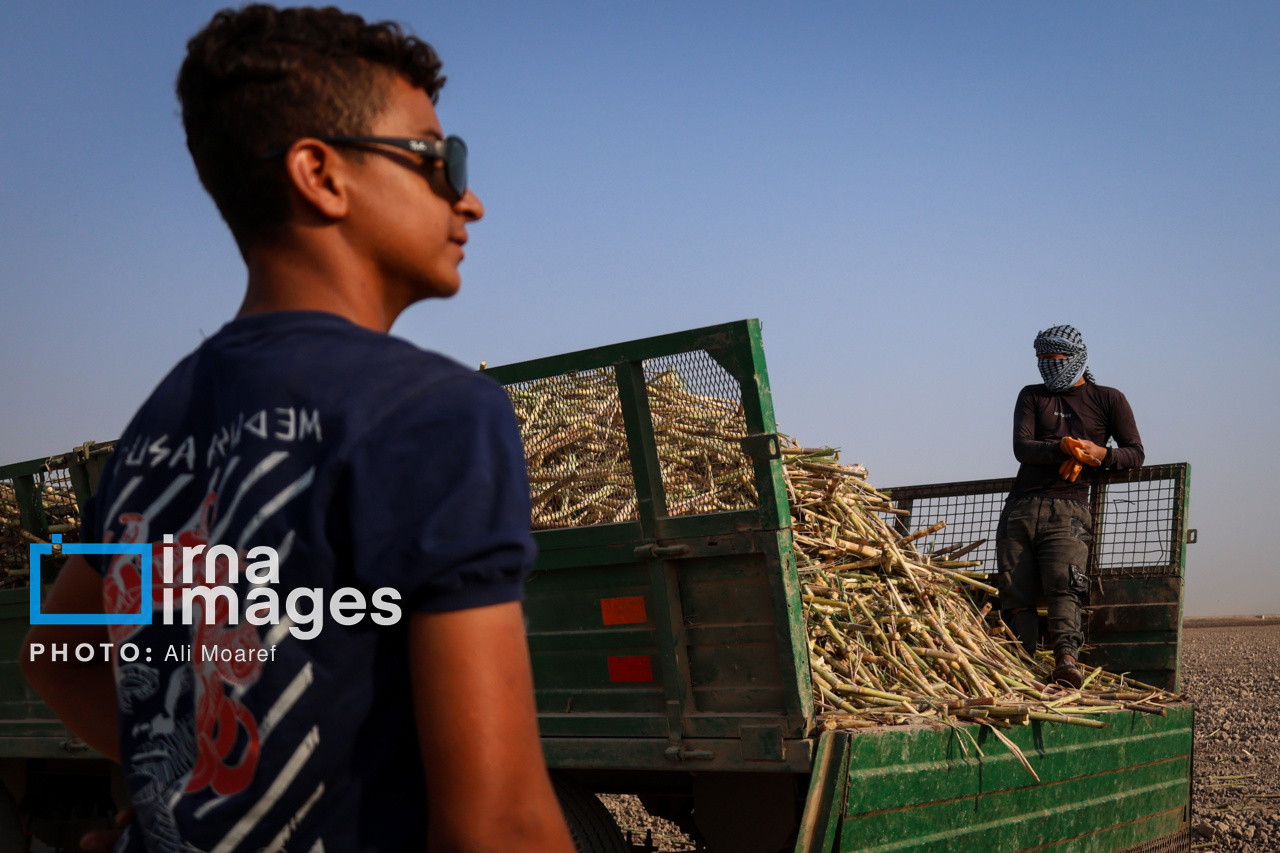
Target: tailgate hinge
[(653, 549), (762, 445), (676, 751)]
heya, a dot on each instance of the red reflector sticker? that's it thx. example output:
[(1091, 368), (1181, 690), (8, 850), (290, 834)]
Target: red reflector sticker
[(624, 610), (630, 668)]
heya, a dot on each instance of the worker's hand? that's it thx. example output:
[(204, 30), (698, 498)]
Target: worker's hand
[(1096, 453), (1083, 451)]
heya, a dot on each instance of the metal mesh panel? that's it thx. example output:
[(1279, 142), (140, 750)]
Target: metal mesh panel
[(970, 519), (61, 511), (52, 488), (575, 447), (1139, 528), (699, 424), (1138, 519), (13, 546), (1179, 842)]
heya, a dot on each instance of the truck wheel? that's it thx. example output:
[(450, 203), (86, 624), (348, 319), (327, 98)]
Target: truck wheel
[(592, 827)]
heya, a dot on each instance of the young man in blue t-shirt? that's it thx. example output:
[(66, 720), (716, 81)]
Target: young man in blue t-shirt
[(375, 669)]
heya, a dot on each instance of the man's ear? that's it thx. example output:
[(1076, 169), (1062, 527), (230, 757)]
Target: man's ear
[(319, 178)]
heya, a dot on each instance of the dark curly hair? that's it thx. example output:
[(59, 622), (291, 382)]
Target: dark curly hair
[(257, 78)]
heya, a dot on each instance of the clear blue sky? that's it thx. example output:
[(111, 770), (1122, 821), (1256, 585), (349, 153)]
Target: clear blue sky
[(902, 192)]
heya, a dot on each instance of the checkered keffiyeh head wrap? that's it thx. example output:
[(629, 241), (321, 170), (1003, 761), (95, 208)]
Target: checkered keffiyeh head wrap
[(1061, 374)]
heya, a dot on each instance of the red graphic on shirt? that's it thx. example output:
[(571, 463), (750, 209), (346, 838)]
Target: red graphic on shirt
[(227, 740), (122, 585), (221, 720)]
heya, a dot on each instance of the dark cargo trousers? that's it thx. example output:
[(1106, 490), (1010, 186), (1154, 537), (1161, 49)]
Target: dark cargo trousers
[(1042, 545)]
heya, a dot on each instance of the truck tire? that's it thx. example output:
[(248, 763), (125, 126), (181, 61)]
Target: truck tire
[(592, 827)]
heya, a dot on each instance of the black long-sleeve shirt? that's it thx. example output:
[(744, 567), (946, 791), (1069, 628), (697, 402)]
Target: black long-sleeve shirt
[(1040, 420)]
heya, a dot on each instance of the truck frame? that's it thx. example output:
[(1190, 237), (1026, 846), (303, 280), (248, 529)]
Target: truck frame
[(670, 654)]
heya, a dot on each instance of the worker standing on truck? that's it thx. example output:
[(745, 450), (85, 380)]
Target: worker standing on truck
[(1061, 430), (389, 483)]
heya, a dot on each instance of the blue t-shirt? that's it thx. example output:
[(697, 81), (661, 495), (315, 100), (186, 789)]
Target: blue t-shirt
[(370, 466)]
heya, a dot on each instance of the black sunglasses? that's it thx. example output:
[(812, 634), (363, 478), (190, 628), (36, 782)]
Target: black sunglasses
[(451, 150)]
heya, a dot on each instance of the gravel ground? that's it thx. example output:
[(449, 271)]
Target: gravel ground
[(631, 816), (1233, 676)]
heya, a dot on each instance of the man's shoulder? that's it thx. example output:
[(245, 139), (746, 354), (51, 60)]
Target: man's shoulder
[(351, 378), (391, 387), (329, 356), (335, 345), (427, 367), (409, 388), (450, 392), (1036, 390), (1107, 392)]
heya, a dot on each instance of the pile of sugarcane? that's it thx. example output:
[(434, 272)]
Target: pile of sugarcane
[(897, 634), (62, 514), (13, 538), (576, 448)]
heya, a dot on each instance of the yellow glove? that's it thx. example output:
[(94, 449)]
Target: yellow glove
[(1074, 448)]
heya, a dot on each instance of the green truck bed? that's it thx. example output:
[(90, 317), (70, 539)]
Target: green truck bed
[(669, 650), (913, 790)]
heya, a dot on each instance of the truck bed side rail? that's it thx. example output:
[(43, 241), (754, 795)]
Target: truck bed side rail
[(664, 611), (1137, 561)]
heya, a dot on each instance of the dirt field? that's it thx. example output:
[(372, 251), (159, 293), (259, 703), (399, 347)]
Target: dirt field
[(1231, 669), (1233, 676)]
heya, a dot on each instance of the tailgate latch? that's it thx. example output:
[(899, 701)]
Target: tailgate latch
[(653, 549)]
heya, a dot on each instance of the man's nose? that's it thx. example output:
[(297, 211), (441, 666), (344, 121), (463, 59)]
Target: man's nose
[(470, 207)]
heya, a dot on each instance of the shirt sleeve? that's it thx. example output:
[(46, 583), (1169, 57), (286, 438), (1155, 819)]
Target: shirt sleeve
[(1128, 452), (439, 499), (1026, 448)]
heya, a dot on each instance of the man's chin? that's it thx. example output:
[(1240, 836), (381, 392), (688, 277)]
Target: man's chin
[(440, 288)]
